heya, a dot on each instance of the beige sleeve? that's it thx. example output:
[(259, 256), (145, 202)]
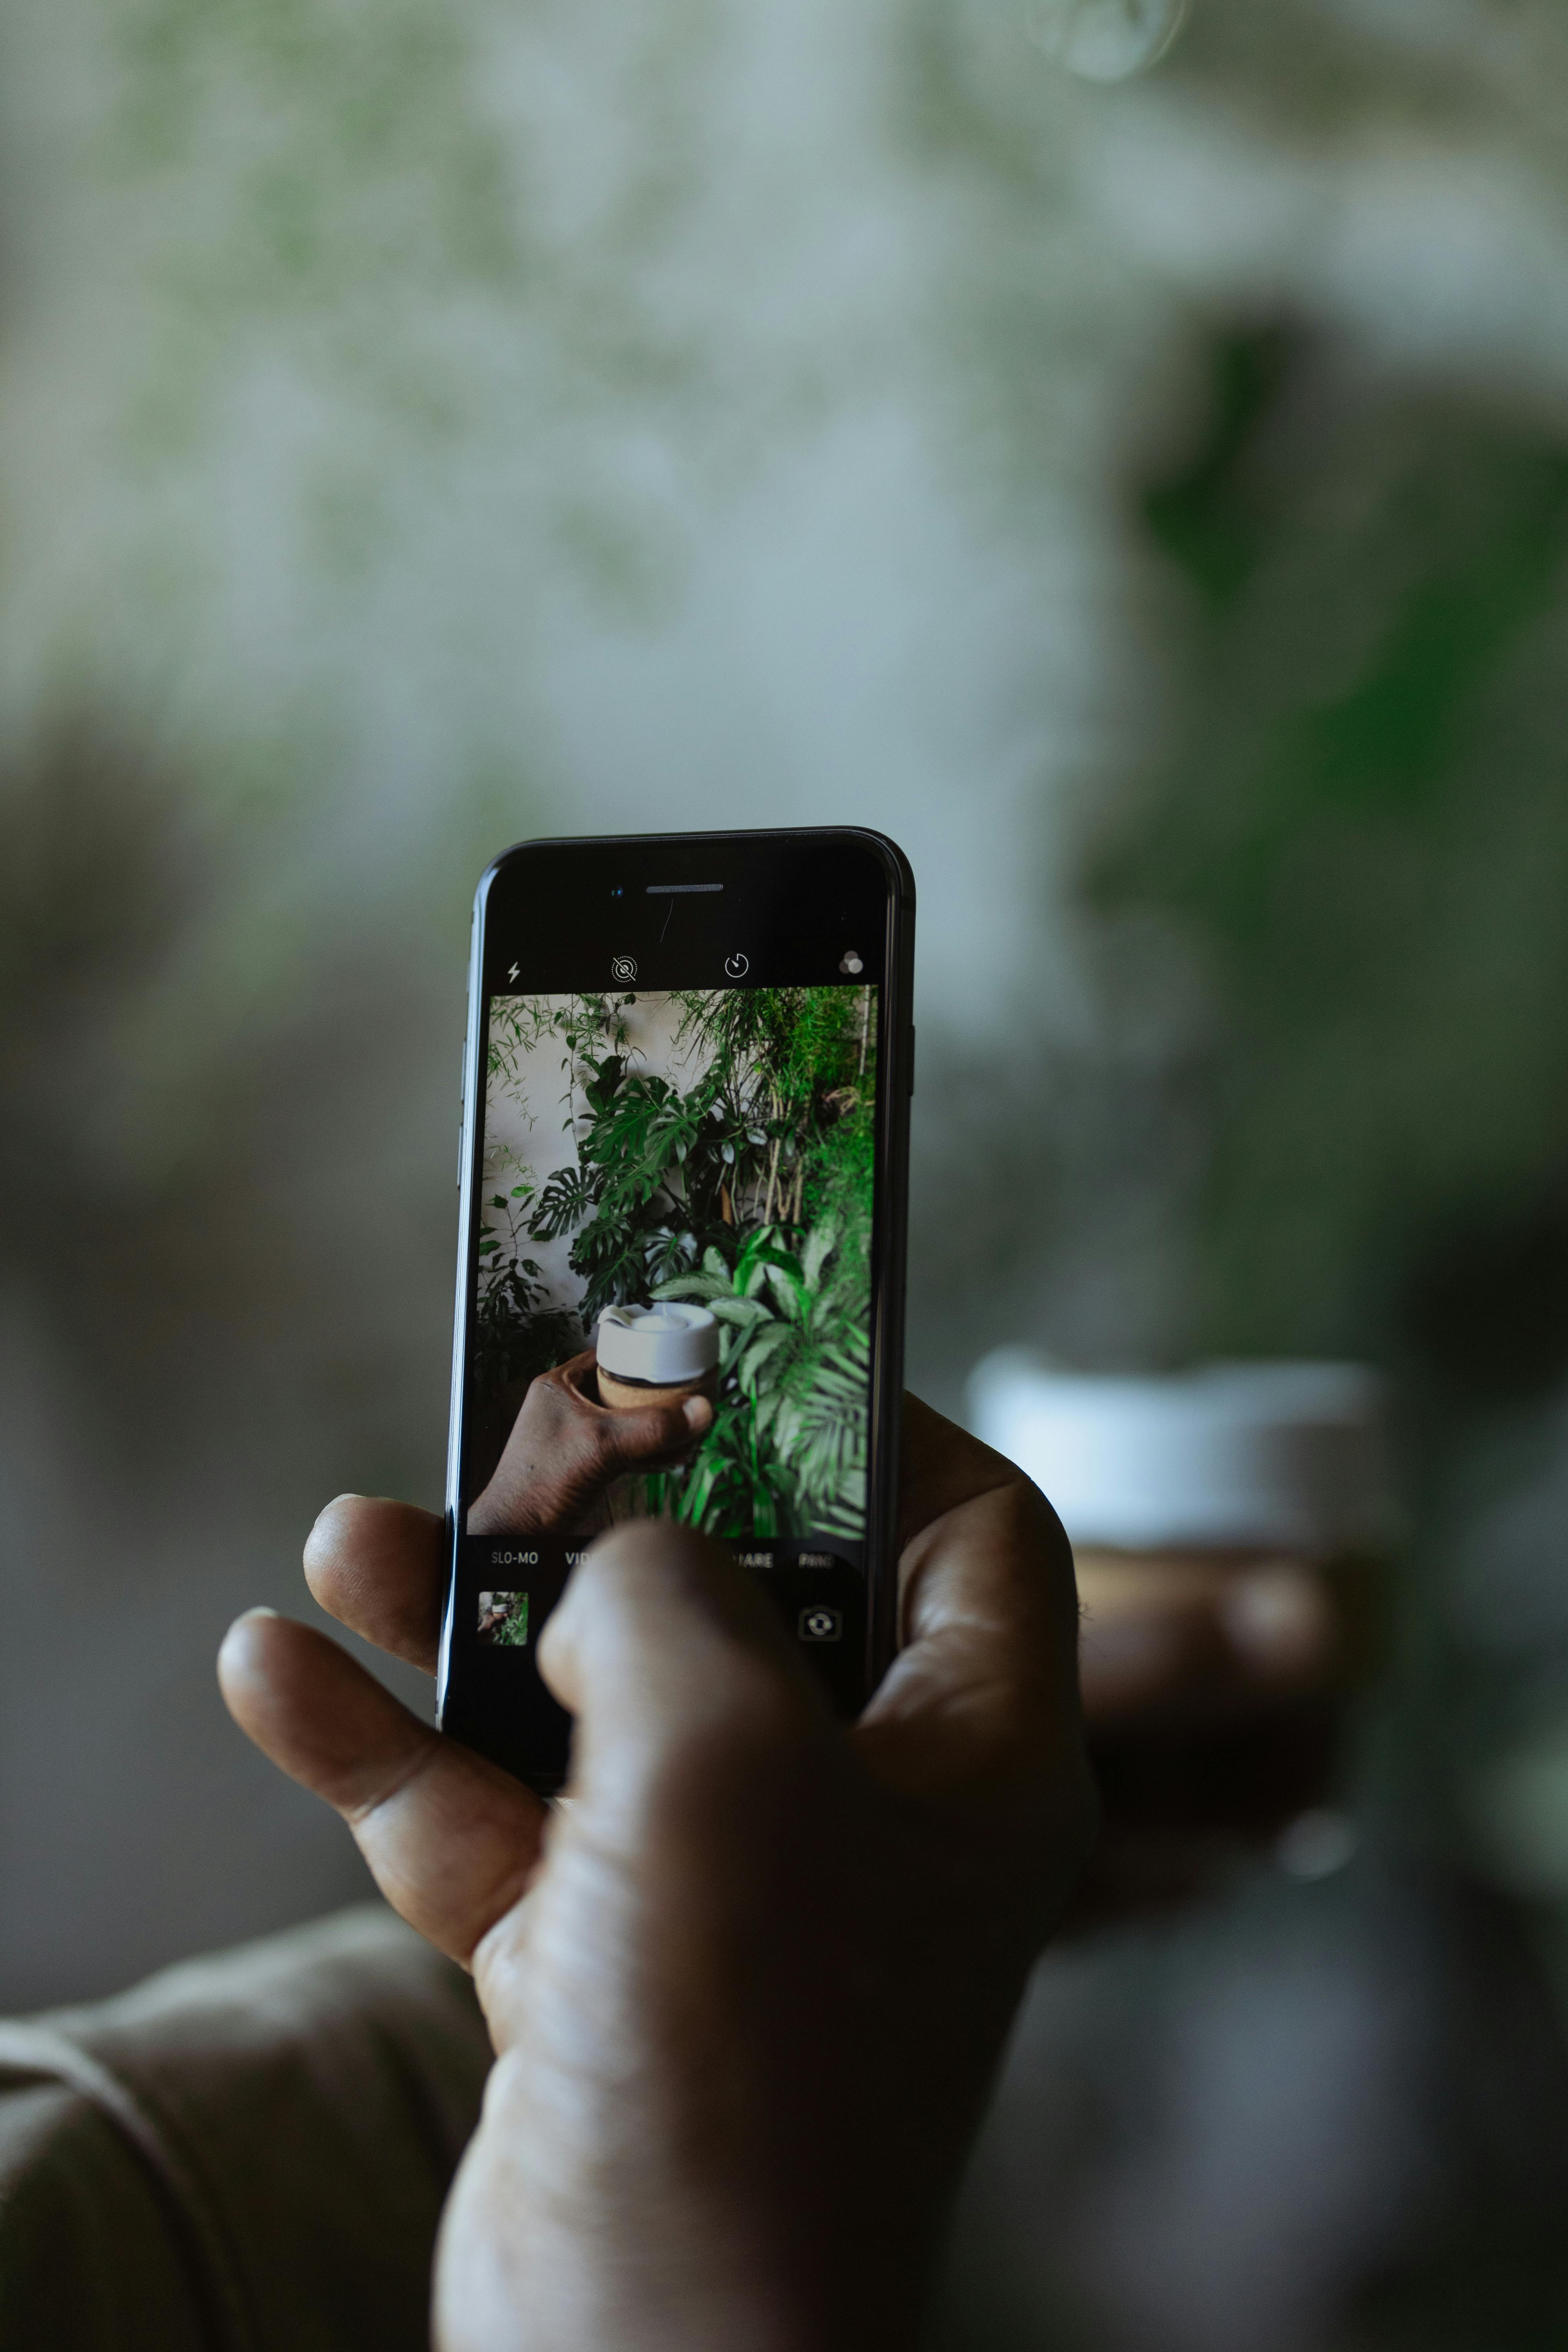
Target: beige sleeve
[(247, 2154), (87, 2261)]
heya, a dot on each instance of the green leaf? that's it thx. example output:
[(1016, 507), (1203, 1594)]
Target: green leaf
[(819, 1246), (754, 1358), (788, 1289), (741, 1310)]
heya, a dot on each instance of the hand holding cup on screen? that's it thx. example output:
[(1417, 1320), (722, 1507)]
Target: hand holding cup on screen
[(567, 1448), (638, 1401)]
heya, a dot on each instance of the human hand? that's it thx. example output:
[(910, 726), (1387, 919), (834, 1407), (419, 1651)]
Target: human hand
[(567, 1450), (748, 1983)]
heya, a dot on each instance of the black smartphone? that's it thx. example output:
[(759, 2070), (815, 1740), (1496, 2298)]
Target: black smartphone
[(684, 1168)]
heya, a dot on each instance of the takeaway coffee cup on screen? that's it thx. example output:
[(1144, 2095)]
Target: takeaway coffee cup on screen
[(656, 1355)]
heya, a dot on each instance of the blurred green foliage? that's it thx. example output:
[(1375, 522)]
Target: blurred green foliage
[(1360, 841)]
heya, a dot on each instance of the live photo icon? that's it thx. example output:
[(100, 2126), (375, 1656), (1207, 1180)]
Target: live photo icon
[(820, 1624)]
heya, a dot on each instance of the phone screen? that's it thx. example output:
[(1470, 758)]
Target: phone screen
[(673, 1264)]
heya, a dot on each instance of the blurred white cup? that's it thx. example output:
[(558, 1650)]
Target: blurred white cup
[(1276, 1474), (1228, 1456)]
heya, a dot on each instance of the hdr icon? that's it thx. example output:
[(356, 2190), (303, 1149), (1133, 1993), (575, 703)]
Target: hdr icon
[(820, 1624)]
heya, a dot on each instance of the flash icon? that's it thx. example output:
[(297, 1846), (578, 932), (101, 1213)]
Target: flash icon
[(512, 973)]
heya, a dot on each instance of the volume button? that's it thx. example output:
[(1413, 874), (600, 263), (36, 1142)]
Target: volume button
[(911, 1058)]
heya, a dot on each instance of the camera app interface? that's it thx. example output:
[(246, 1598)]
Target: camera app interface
[(672, 1309)]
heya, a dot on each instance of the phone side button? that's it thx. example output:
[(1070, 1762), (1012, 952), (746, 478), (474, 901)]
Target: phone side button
[(911, 1058), (459, 1155)]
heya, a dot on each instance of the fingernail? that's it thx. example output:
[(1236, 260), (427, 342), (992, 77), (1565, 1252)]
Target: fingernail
[(1276, 1616), (238, 1625), (332, 1506), (698, 1412)]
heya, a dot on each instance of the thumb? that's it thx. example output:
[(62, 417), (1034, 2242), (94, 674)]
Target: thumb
[(667, 1652), (984, 1690), (630, 1441), (701, 1742)]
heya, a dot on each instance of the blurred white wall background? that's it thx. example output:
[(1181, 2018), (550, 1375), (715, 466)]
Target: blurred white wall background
[(422, 425)]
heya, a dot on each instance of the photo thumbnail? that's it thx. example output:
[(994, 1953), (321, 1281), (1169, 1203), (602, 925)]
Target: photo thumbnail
[(503, 1618)]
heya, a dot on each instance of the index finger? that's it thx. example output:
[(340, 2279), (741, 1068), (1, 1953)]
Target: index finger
[(985, 1689), (377, 1567), (940, 1466)]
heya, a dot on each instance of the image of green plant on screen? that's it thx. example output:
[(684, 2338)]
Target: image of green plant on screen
[(711, 1148)]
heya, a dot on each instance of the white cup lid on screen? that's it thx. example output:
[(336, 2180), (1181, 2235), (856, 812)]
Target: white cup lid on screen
[(664, 1343), (1243, 1454)]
